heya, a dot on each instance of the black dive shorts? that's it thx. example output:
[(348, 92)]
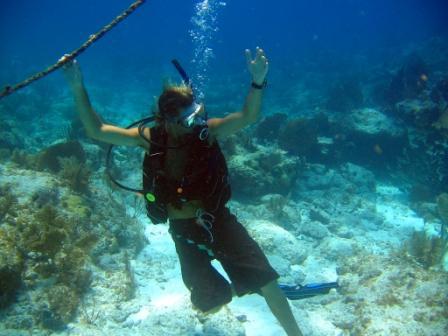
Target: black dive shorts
[(228, 242)]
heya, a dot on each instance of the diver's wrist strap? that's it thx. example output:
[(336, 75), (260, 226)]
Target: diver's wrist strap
[(260, 86)]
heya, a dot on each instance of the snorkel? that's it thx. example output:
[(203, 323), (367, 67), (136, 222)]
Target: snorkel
[(191, 116)]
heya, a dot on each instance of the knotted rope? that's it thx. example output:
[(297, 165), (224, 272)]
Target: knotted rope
[(68, 57)]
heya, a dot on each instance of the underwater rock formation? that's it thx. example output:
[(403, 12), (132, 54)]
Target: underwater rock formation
[(371, 138), (275, 240), (309, 138), (266, 171), (377, 287), (49, 239)]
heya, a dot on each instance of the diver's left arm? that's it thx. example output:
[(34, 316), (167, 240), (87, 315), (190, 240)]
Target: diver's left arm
[(258, 68)]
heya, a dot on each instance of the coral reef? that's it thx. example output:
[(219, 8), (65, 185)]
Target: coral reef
[(50, 157), (7, 202), (427, 250), (275, 203), (62, 304), (375, 287), (75, 174), (299, 137), (371, 138), (11, 265), (76, 206), (315, 175), (67, 159), (263, 172), (46, 196), (12, 250), (46, 250)]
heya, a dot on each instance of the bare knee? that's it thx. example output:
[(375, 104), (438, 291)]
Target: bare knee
[(269, 288)]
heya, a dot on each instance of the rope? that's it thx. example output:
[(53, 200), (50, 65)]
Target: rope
[(68, 57)]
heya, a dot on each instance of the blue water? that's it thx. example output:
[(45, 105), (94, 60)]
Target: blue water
[(35, 34), (357, 159)]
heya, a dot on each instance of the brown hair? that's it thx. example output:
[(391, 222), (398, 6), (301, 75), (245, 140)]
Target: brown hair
[(172, 100)]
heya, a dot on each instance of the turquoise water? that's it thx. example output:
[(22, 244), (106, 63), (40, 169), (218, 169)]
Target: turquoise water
[(343, 178)]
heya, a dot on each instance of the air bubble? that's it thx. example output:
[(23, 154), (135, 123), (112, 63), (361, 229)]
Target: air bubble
[(205, 24)]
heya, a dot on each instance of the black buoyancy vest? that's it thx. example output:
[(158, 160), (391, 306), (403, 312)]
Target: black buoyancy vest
[(205, 176)]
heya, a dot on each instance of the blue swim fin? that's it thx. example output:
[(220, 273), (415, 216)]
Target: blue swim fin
[(299, 292)]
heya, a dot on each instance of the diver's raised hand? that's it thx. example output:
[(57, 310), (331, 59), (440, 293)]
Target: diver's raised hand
[(258, 67), (72, 71)]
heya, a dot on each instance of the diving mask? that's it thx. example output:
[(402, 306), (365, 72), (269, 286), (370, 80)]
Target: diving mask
[(191, 117)]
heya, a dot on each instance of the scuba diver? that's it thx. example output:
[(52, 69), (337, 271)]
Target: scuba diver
[(185, 181)]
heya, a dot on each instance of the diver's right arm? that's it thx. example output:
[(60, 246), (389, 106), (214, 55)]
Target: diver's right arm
[(93, 124)]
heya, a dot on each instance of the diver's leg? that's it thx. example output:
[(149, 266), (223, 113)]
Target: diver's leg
[(209, 290), (279, 306), (249, 269)]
